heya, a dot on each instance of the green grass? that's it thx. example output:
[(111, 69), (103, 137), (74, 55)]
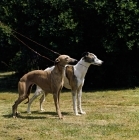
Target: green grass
[(111, 115)]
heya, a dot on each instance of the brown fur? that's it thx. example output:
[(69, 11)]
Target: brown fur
[(50, 82), (71, 77)]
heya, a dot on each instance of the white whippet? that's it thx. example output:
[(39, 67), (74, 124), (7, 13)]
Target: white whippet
[(73, 79)]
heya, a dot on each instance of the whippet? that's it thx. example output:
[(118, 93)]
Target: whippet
[(73, 79), (50, 81)]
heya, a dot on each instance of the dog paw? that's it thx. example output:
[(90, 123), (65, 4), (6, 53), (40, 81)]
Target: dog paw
[(29, 113), (42, 110), (77, 114), (61, 117), (83, 112), (14, 117)]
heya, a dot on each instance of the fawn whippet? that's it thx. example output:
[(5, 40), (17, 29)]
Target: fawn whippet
[(50, 81)]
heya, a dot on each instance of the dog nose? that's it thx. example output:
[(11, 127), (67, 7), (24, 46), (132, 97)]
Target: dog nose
[(73, 62)]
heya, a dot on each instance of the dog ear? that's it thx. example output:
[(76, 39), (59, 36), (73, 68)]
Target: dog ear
[(57, 61), (85, 54)]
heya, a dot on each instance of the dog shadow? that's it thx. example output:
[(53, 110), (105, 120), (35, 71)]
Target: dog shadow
[(51, 113), (25, 117), (33, 115)]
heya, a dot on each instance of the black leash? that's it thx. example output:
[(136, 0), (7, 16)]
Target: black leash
[(36, 42), (30, 40), (31, 48)]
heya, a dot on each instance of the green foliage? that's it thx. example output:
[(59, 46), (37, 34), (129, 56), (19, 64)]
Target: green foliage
[(120, 20), (107, 28)]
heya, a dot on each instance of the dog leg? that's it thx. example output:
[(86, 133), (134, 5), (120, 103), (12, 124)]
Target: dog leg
[(42, 99), (30, 102), (14, 107), (56, 101), (74, 100), (79, 96), (37, 93)]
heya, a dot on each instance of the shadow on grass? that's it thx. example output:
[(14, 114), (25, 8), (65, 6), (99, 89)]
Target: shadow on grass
[(54, 113), (33, 115), (25, 117)]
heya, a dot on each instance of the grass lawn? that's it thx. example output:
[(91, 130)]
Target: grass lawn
[(111, 115)]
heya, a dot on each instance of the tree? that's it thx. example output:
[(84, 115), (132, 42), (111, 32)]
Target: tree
[(107, 28)]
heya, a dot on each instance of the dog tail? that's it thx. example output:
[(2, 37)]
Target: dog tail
[(28, 93)]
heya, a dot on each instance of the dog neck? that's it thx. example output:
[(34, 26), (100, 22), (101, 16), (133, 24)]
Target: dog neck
[(81, 68), (61, 68), (84, 65), (61, 65)]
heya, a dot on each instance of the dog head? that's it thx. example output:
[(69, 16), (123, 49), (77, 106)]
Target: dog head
[(91, 58), (64, 60)]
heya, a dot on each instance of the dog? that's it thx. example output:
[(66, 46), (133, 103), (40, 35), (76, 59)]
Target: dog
[(50, 81), (73, 79)]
